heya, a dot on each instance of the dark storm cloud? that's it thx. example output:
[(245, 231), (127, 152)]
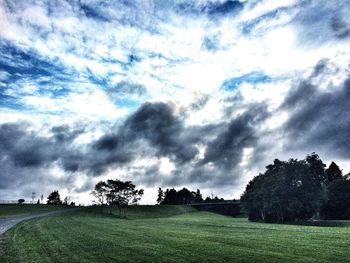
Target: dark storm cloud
[(226, 149), (65, 133), (154, 130), (25, 155), (319, 119), (156, 124), (26, 148), (22, 148)]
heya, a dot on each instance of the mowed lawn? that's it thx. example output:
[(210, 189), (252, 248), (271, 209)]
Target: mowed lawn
[(169, 234), (17, 209)]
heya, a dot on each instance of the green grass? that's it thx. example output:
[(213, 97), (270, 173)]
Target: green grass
[(16, 209), (147, 211), (174, 234)]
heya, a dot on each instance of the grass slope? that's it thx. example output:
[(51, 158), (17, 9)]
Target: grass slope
[(16, 209), (175, 234)]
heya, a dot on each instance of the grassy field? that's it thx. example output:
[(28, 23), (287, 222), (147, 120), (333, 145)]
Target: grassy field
[(169, 234), (16, 209)]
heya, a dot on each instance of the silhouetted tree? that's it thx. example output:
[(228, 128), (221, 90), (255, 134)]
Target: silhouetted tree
[(20, 201), (118, 194), (171, 197), (54, 198), (160, 196), (198, 197), (38, 202), (333, 172), (186, 196), (287, 191), (207, 200), (100, 193), (337, 205)]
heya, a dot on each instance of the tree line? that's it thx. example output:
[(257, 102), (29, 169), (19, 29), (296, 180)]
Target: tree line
[(53, 198), (183, 196), (298, 190)]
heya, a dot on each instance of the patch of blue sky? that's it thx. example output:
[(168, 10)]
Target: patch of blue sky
[(103, 81), (132, 60), (27, 63), (10, 102), (253, 78), (53, 92), (127, 103)]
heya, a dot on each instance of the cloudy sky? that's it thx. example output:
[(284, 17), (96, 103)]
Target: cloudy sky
[(201, 94)]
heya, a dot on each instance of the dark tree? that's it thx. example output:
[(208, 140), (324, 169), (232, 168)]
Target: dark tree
[(20, 201), (333, 172), (186, 196), (337, 205), (38, 202), (207, 199), (100, 193), (171, 197), (198, 197), (54, 198), (287, 191), (118, 194), (160, 198), (183, 196)]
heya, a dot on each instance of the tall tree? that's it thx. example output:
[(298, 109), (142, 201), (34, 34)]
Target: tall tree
[(198, 197), (100, 193), (160, 196), (54, 198), (337, 205), (333, 172), (287, 191)]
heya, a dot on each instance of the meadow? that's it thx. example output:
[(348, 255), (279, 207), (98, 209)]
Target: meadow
[(169, 234)]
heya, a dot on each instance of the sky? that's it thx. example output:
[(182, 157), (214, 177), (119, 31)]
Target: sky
[(197, 94)]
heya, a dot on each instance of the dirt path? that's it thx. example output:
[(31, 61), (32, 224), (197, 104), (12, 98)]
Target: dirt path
[(7, 222)]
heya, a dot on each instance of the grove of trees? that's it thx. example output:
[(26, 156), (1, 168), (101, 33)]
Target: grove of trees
[(183, 196), (116, 193), (297, 190)]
